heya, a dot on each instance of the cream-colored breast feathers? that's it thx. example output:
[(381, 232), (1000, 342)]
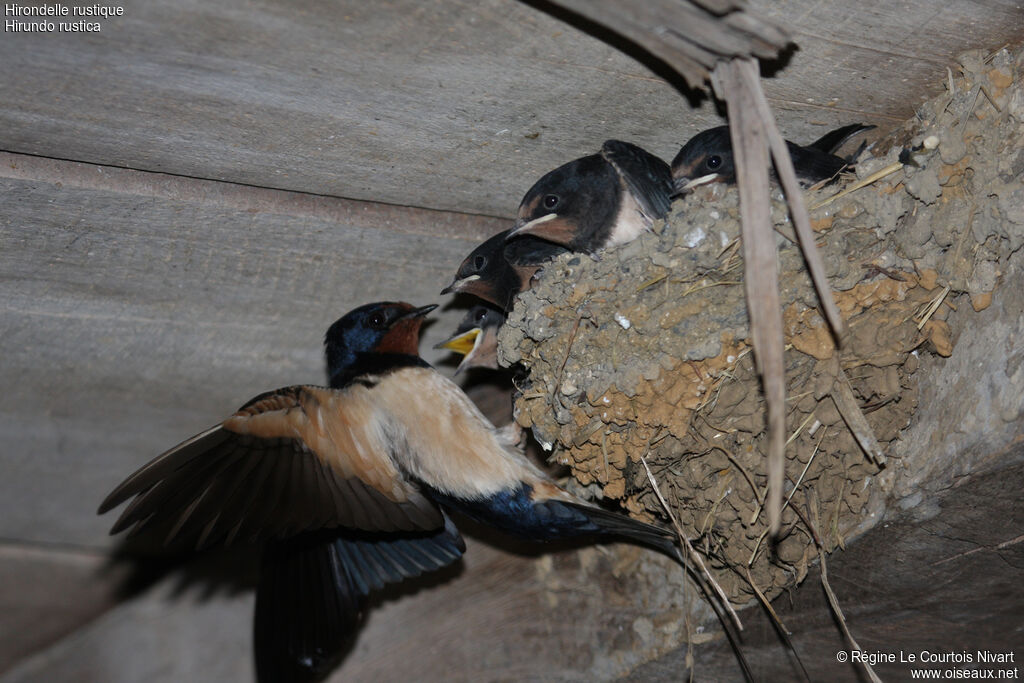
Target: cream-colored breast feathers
[(631, 222), (413, 421), (447, 442)]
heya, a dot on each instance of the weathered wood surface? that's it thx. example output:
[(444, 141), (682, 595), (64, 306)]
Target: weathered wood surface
[(137, 309), (452, 105)]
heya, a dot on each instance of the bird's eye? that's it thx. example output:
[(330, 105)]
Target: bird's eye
[(550, 201), (480, 314), (714, 162), (479, 262), (377, 320)]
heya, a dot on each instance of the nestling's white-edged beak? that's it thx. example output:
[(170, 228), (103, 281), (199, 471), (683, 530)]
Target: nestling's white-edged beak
[(536, 221), (703, 180)]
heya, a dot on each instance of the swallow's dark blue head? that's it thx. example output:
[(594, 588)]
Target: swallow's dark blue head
[(706, 157), (574, 205), (386, 327)]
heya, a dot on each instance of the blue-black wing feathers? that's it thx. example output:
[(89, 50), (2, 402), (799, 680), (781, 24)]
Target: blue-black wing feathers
[(313, 589), (648, 178)]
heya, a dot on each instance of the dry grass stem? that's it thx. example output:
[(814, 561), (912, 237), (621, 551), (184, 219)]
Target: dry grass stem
[(784, 633), (800, 479), (694, 556), (795, 198), (732, 245), (743, 471), (933, 306), (873, 178), (568, 348), (832, 600), (991, 100), (799, 429), (653, 281), (757, 548), (706, 285), (846, 403)]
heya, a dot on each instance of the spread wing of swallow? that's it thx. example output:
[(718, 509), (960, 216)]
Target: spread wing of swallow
[(647, 177), (297, 459)]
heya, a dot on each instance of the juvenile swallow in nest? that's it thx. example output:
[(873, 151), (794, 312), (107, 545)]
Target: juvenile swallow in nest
[(350, 486), (496, 271), (476, 338), (707, 157), (599, 200)]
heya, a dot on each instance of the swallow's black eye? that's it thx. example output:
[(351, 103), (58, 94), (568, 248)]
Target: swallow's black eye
[(378, 320), (480, 314), (550, 201), (714, 162), (479, 262)]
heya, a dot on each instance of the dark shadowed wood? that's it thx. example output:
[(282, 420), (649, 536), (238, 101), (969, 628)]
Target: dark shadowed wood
[(571, 616)]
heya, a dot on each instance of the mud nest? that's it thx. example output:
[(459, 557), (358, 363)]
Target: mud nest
[(643, 354)]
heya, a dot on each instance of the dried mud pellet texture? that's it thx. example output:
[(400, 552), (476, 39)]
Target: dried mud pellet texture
[(643, 352)]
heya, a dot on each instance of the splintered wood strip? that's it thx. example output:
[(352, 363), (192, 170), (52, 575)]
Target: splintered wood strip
[(853, 416), (720, 6), (748, 71), (690, 35), (761, 272)]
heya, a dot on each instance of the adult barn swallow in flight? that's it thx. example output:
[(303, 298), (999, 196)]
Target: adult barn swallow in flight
[(496, 271), (707, 157), (350, 485), (476, 338), (598, 200)]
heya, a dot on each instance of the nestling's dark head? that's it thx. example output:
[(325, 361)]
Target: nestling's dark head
[(569, 204), (383, 327), (483, 265), (478, 329), (707, 156)]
